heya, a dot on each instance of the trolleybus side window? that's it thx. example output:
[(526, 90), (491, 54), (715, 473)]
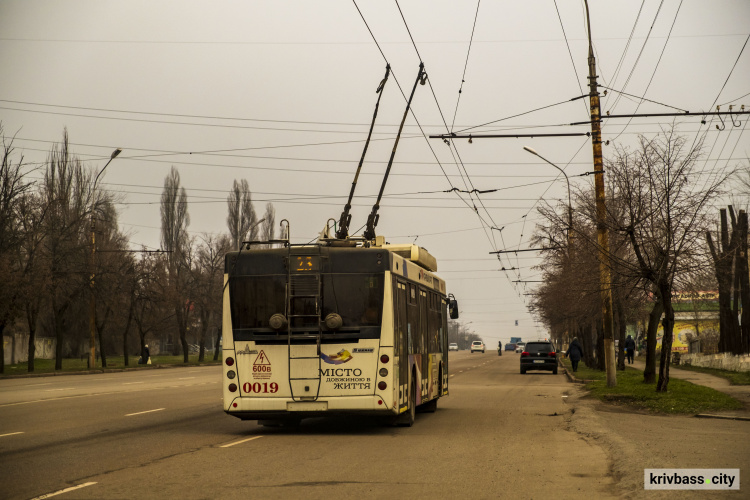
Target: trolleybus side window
[(399, 316), (412, 320)]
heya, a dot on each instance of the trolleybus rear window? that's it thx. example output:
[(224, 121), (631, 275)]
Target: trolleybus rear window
[(255, 299), (357, 298)]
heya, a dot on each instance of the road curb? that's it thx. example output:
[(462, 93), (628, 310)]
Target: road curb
[(723, 417), (105, 370), (572, 378)]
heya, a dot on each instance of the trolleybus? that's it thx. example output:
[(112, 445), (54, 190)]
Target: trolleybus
[(321, 329)]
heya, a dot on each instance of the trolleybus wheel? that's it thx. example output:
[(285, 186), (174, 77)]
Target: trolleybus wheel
[(431, 406), (406, 419)]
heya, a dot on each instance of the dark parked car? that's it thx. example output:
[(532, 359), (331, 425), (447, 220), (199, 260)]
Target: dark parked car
[(510, 347), (539, 355)]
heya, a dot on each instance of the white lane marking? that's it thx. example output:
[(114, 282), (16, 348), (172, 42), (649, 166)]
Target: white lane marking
[(10, 434), (36, 385), (239, 442), (62, 389), (78, 396), (453, 375), (131, 383), (72, 488), (142, 412), (185, 378)]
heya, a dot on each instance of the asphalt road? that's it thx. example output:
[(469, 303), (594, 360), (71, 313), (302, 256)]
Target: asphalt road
[(162, 432)]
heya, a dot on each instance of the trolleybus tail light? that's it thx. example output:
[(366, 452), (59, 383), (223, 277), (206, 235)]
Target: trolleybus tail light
[(230, 361), (384, 358), (382, 385), (231, 374), (232, 387), (383, 372)]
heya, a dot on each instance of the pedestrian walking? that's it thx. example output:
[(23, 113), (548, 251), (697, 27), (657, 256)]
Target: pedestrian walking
[(145, 356), (575, 353), (630, 349)]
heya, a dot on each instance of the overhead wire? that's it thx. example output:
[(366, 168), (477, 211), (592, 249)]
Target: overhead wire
[(702, 138), (625, 49), (490, 235), (674, 21), (578, 80), (466, 65)]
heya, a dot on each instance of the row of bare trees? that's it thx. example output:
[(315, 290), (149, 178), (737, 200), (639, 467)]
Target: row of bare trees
[(171, 295), (660, 207)]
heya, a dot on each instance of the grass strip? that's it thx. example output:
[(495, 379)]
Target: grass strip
[(682, 397), (71, 365)]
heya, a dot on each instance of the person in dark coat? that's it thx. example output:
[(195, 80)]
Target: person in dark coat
[(145, 356), (630, 349), (575, 353)]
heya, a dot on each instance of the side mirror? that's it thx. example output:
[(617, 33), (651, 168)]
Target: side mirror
[(452, 307)]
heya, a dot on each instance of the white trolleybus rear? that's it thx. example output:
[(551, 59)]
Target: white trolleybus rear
[(348, 325), (320, 329)]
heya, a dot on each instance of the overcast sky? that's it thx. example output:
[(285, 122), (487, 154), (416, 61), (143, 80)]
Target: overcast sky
[(282, 93)]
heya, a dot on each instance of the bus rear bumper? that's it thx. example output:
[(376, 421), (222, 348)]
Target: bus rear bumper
[(269, 408)]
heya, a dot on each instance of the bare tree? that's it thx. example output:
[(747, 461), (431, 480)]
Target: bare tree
[(241, 218), (208, 277), (13, 188), (665, 198), (65, 191), (729, 256), (268, 229), (175, 241)]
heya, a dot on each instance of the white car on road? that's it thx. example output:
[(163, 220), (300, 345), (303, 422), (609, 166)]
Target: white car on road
[(477, 345)]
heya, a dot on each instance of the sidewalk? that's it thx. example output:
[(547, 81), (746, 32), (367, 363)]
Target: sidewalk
[(739, 392)]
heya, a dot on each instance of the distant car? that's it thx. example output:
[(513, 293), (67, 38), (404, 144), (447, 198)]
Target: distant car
[(477, 345), (510, 347), (453, 347), (519, 346), (539, 355)]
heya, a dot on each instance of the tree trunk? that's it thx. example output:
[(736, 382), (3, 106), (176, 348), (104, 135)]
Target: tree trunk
[(205, 318), (666, 343), (181, 313), (2, 348), (218, 344), (600, 357), (723, 258), (31, 317), (744, 284), (649, 374), (621, 329), (58, 321), (735, 341), (125, 334)]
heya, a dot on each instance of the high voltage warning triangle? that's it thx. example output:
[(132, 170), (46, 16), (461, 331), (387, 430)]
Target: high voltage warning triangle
[(262, 359)]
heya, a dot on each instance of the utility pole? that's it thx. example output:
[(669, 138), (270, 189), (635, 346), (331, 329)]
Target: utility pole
[(605, 278)]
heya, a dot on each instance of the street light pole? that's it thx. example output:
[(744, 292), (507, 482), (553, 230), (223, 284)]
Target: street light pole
[(570, 204), (92, 303)]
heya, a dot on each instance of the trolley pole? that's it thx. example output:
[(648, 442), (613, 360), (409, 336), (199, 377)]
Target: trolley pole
[(605, 278)]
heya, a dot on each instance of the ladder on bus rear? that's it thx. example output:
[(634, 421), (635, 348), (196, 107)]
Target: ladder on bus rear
[(304, 284)]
